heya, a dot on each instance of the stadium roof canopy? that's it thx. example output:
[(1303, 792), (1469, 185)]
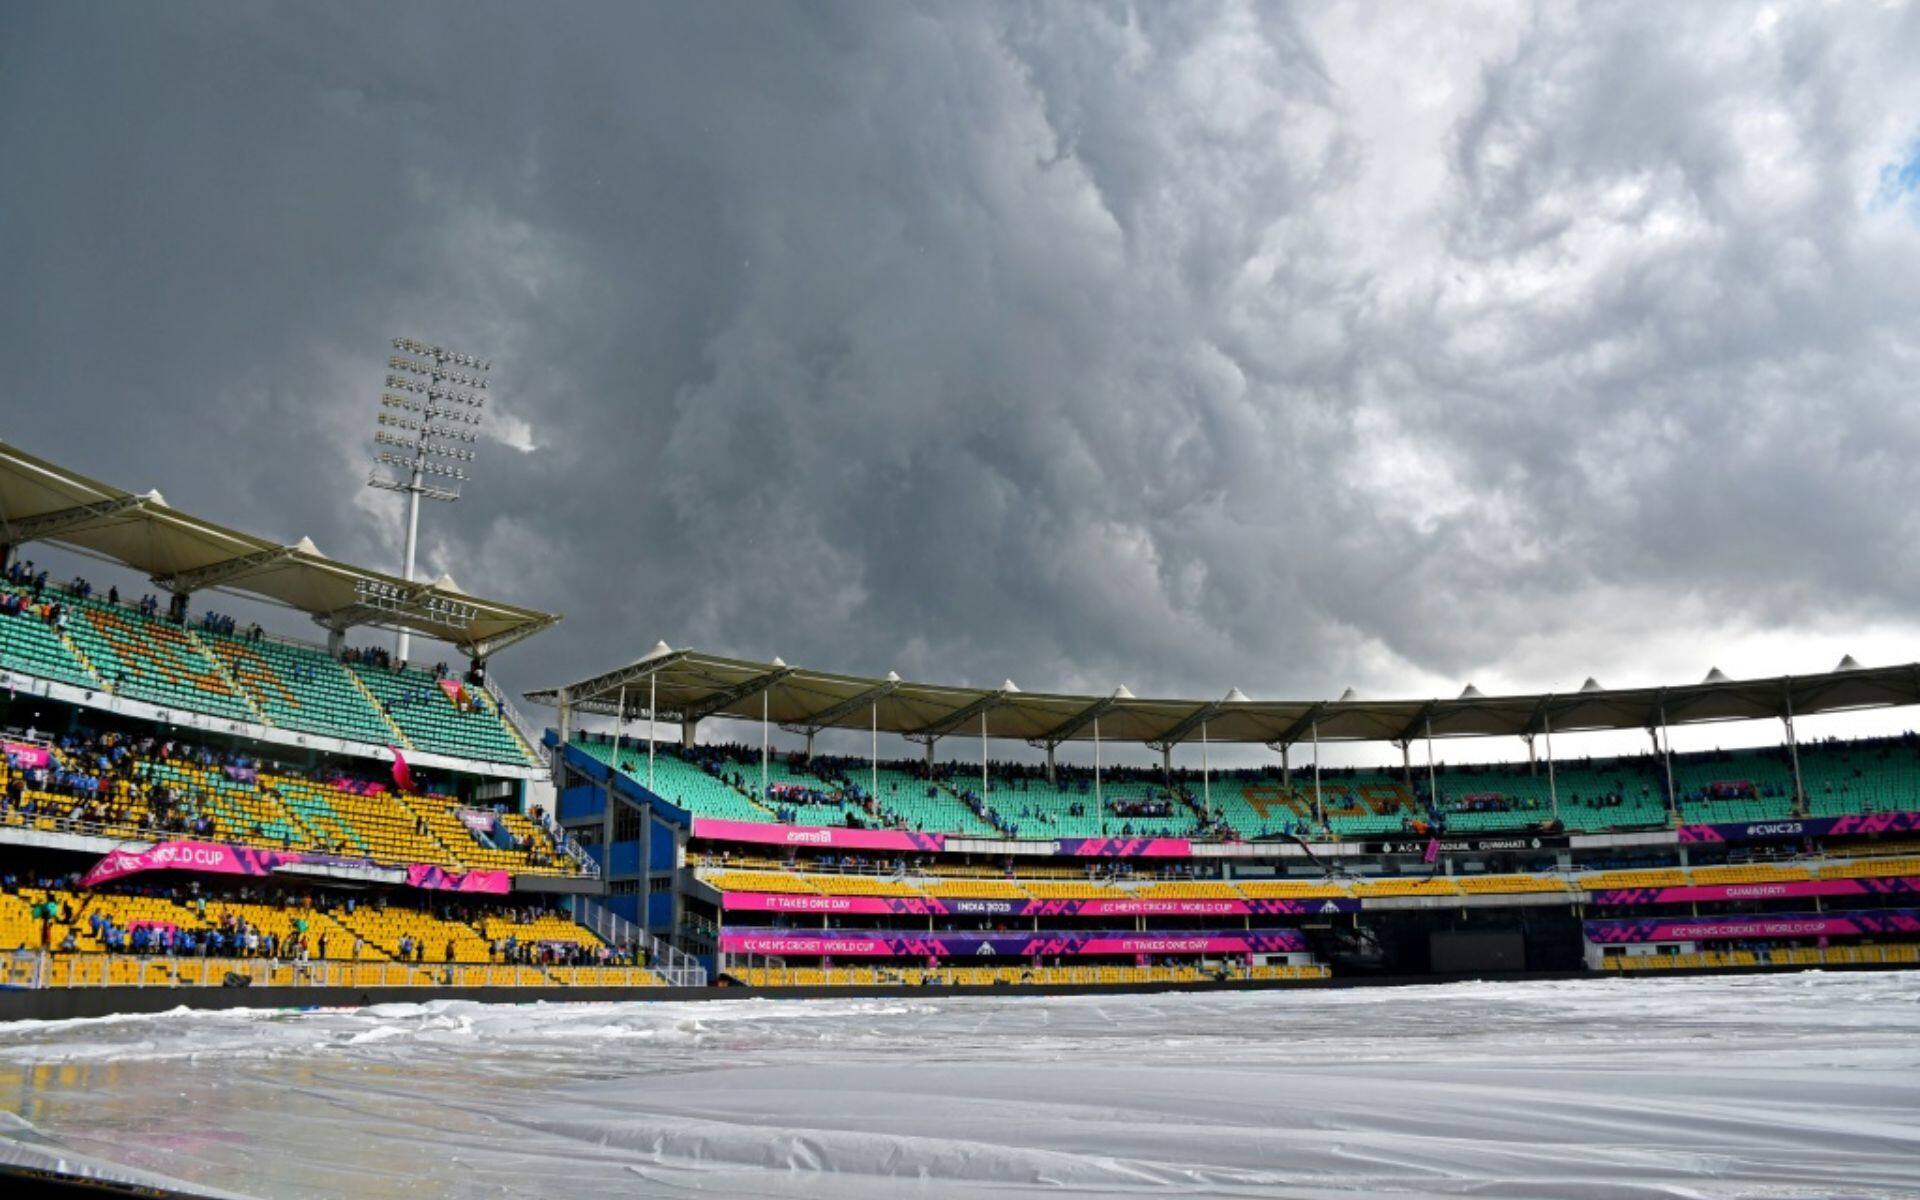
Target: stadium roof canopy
[(690, 685), (40, 501)]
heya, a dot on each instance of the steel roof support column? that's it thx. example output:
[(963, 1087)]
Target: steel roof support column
[(983, 756), (1406, 764), (766, 745), (619, 723), (653, 701), (1433, 776), (874, 760), (1553, 790), (1319, 805), (1793, 752), (566, 731), (1097, 801), (1206, 777), (1666, 754)]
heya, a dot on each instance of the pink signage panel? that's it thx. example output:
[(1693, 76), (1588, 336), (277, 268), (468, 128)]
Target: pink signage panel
[(819, 836), (219, 858)]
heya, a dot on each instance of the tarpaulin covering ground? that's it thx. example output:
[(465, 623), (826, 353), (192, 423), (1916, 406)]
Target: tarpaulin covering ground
[(1786, 1086)]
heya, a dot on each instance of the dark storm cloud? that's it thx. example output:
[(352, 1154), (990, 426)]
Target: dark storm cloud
[(1181, 345)]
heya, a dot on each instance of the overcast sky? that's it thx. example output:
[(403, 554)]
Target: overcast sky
[(1184, 346)]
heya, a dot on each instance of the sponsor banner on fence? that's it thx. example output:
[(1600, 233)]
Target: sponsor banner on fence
[(422, 875), (1760, 891), (835, 943), (213, 858), (1774, 925), (984, 907), (1789, 828), (815, 835), (1124, 847), (1422, 846), (219, 858)]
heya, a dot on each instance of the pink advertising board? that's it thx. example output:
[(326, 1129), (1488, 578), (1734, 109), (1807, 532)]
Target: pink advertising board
[(816, 836), (984, 945), (439, 879), (219, 858), (993, 907)]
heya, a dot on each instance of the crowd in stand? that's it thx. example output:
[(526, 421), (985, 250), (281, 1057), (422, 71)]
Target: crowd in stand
[(110, 779), (372, 656), (1153, 806), (220, 623), (22, 575), (31, 599), (102, 779), (231, 935)]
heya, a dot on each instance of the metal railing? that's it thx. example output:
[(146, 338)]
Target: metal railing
[(669, 962), (568, 846), (127, 832), (45, 969), (521, 726)]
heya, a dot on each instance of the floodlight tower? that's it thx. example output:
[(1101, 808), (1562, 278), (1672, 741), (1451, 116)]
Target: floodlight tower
[(429, 422)]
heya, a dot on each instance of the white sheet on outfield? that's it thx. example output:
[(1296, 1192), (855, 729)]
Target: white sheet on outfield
[(1799, 1086)]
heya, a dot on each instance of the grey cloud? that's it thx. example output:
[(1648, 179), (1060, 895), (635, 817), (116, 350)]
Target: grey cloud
[(1183, 346)]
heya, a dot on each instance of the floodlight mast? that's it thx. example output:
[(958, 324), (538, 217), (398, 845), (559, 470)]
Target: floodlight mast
[(430, 417)]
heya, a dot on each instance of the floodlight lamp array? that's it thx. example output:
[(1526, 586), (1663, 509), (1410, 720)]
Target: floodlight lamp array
[(415, 346), (425, 466)]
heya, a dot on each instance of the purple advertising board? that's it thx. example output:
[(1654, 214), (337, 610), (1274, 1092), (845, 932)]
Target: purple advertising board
[(1771, 926), (823, 836), (1124, 847), (1760, 891), (890, 944), (994, 907), (1788, 828)]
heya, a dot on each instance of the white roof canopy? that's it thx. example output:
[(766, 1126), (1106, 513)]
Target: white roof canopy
[(691, 685), (40, 501)]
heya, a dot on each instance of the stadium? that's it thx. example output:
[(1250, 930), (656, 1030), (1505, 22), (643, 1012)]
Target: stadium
[(1106, 600), (201, 814), (247, 808)]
